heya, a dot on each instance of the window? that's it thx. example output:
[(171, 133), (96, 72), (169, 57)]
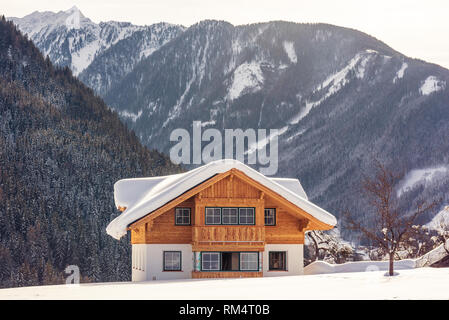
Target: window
[(249, 261), (230, 261), (246, 216), (172, 260), (230, 215), (270, 217), (210, 261), (277, 260), (182, 216), (213, 215)]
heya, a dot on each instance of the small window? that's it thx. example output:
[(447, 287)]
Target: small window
[(246, 216), (270, 217), (210, 261), (172, 260), (213, 215), (277, 260), (230, 215), (182, 216), (249, 261)]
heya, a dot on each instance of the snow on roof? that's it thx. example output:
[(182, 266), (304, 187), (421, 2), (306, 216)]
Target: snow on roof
[(142, 196), (291, 184)]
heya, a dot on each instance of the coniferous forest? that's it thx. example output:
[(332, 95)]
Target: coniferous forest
[(61, 151)]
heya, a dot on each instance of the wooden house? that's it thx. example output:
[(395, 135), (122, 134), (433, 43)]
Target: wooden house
[(221, 220)]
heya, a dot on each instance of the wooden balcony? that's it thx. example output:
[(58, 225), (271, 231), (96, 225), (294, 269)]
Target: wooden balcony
[(228, 233), (228, 237)]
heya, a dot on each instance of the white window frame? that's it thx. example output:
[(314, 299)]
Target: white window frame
[(246, 216), (249, 261), (210, 254), (284, 261), (273, 210), (214, 213), (173, 255), (230, 217), (185, 213)]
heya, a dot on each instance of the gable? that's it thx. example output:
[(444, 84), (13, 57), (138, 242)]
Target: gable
[(172, 190), (235, 184), (231, 187)]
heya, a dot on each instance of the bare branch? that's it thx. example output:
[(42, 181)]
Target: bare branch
[(389, 225)]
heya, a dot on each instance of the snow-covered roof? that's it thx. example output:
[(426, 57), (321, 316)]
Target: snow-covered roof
[(142, 196), (291, 184)]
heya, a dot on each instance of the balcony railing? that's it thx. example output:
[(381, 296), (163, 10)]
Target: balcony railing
[(228, 233)]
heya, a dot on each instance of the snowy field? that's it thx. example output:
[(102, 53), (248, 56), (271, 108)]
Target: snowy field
[(419, 283)]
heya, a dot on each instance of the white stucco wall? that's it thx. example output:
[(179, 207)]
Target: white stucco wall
[(139, 261), (295, 259), (148, 262)]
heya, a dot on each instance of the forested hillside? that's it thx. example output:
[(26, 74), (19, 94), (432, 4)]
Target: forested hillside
[(61, 152)]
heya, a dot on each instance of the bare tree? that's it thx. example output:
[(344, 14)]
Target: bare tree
[(418, 241), (316, 244), (389, 225)]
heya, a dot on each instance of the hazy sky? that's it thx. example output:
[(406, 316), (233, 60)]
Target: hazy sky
[(419, 29)]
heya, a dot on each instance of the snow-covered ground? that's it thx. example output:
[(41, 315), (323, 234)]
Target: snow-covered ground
[(289, 48), (441, 218), (420, 283), (319, 267), (421, 176), (400, 73), (432, 84), (247, 77)]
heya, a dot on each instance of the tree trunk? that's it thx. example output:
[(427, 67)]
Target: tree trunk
[(390, 270), (317, 250)]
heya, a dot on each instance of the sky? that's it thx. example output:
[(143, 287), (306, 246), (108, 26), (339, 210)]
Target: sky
[(418, 29)]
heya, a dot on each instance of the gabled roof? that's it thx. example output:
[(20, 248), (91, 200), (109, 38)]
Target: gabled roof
[(142, 196)]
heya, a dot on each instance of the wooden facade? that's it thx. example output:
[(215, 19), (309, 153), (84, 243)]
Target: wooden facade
[(229, 189)]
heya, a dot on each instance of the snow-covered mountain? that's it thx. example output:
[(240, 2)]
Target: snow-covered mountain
[(339, 97), (71, 39), (113, 64)]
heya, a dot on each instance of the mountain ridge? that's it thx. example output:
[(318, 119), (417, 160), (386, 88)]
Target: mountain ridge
[(338, 96), (341, 93), (71, 39)]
